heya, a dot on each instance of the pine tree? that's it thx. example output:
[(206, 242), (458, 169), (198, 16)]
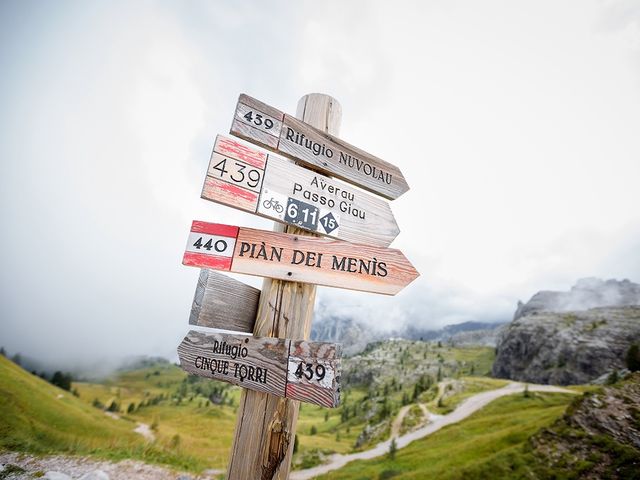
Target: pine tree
[(393, 448), (633, 358)]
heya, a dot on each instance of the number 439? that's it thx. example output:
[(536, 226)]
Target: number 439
[(258, 119), (307, 371)]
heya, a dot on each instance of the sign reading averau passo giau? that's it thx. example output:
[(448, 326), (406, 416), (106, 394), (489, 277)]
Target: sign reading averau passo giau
[(296, 369), (252, 180), (269, 127), (321, 261)]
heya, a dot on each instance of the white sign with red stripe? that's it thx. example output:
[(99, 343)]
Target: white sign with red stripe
[(321, 261)]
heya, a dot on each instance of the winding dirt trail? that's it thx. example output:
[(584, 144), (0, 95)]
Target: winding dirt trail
[(466, 408), (144, 430)]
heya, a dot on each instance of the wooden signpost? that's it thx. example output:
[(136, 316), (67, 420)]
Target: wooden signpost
[(295, 369), (269, 127), (254, 181), (224, 303), (277, 366), (320, 261)]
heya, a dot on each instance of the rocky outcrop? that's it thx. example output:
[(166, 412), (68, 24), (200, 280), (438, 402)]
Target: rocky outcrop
[(353, 335), (566, 347), (585, 294), (598, 437)]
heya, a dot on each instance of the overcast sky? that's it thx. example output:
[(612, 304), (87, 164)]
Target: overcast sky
[(517, 125)]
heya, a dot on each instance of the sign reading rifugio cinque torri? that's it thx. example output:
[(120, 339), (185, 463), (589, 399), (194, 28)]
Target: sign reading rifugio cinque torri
[(299, 370), (284, 256), (269, 127), (255, 181)]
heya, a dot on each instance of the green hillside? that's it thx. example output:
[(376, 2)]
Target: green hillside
[(40, 418), (193, 418), (486, 445)]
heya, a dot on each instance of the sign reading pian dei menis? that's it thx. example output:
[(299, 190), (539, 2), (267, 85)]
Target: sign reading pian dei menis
[(269, 127), (322, 261)]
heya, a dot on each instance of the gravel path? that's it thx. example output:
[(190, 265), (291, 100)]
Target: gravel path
[(75, 467), (466, 408), (144, 430)]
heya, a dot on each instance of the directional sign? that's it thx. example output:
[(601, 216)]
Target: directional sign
[(296, 369), (296, 258), (267, 126), (249, 179), (222, 302)]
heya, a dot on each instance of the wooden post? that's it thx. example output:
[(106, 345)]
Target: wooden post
[(266, 426)]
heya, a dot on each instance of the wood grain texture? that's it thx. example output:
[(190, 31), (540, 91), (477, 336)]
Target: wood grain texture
[(254, 135), (223, 302), (266, 365), (256, 363), (321, 151), (263, 443), (322, 261), (314, 260), (315, 357)]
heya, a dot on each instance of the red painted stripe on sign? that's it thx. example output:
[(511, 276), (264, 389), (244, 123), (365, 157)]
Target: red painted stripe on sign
[(214, 229), (311, 393), (238, 191), (206, 261), (230, 148)]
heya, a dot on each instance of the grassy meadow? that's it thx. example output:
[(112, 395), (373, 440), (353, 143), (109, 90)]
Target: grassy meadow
[(40, 418), (486, 445), (192, 419)]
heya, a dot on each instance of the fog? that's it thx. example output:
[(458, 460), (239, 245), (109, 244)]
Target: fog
[(516, 126)]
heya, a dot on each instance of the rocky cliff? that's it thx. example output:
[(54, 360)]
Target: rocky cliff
[(598, 437), (353, 335), (567, 348), (585, 294), (546, 343)]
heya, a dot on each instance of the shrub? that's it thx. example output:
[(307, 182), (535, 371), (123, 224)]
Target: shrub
[(633, 358), (393, 448)]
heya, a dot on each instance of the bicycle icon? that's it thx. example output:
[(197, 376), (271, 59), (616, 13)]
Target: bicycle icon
[(274, 204)]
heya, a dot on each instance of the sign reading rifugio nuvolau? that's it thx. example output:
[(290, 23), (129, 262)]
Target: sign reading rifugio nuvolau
[(299, 370), (268, 127)]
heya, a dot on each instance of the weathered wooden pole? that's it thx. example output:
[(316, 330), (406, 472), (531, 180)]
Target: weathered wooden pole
[(266, 425)]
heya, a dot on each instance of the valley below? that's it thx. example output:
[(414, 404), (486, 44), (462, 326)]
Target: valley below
[(425, 405)]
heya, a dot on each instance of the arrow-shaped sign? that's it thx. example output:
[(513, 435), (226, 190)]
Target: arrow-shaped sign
[(269, 127), (252, 180), (296, 369), (322, 261)]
